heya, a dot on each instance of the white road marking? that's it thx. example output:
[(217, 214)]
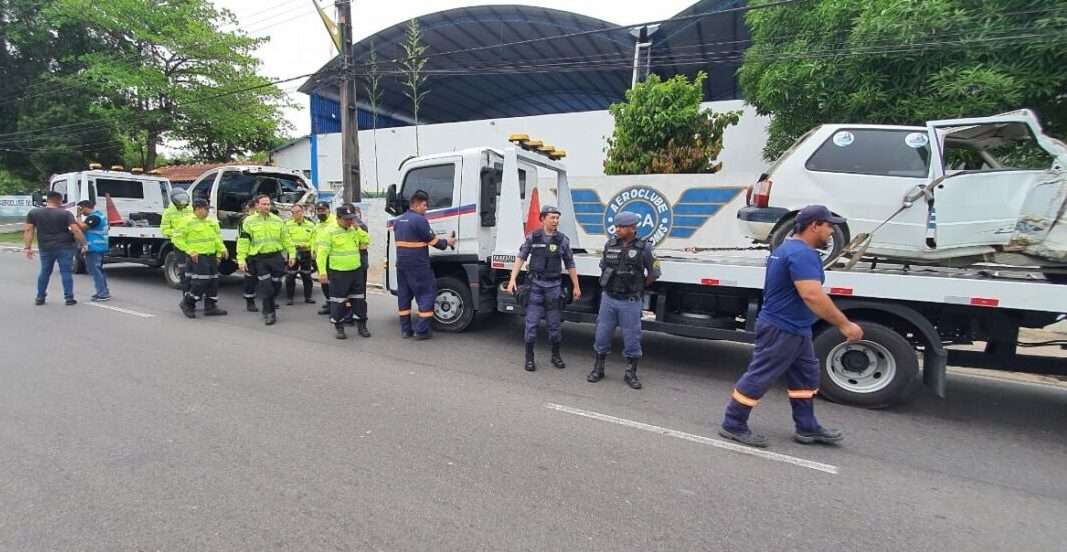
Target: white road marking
[(122, 310), (726, 445)]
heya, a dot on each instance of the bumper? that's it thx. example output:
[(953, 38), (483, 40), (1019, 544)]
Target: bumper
[(758, 222)]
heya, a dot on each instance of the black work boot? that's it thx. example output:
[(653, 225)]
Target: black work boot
[(822, 435), (325, 309), (211, 308), (188, 308), (744, 437), (557, 360), (340, 329), (250, 305), (598, 369), (361, 327), (309, 300), (631, 374), (530, 366), (289, 301), (270, 318)]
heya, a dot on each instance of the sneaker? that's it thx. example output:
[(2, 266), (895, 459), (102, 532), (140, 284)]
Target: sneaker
[(745, 438), (101, 298), (822, 435), (38, 301), (70, 302)]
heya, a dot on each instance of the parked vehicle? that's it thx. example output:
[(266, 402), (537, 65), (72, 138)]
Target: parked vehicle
[(137, 201), (483, 196), (989, 189)]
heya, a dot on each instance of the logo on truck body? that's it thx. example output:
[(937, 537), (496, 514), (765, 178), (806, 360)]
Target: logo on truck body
[(659, 220)]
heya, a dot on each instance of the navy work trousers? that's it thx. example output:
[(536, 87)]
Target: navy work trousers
[(544, 303), (420, 284)]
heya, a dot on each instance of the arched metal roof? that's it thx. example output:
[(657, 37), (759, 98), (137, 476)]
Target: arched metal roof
[(563, 62)]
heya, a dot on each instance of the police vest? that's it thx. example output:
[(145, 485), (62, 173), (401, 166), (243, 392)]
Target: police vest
[(96, 234), (200, 236), (546, 259), (341, 246), (301, 234), (264, 233), (627, 265)]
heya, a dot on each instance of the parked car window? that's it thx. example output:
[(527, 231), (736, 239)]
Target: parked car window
[(877, 152), (437, 181), (994, 147), (201, 191), (60, 186), (131, 189)]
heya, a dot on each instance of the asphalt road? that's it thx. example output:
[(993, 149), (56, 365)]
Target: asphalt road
[(141, 430)]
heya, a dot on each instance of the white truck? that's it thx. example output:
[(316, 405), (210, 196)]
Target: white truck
[(138, 199), (483, 197)]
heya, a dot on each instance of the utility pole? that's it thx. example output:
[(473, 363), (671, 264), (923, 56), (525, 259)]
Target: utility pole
[(349, 123)]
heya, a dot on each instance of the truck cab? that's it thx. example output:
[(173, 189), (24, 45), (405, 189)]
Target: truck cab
[(136, 196)]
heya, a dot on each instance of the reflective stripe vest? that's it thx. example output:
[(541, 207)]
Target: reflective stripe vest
[(301, 233), (261, 235), (96, 236), (339, 248), (321, 228), (201, 236), (174, 219)]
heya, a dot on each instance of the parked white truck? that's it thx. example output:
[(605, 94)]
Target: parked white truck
[(483, 197), (138, 200)]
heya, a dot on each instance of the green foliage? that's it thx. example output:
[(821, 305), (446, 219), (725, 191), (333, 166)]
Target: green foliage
[(412, 68), (11, 184), (168, 72), (660, 128), (904, 62)]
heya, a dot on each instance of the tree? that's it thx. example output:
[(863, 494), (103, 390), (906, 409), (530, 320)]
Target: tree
[(661, 128), (169, 72), (904, 62), (373, 89), (412, 67)]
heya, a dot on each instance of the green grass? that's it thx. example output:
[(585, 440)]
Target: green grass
[(11, 238)]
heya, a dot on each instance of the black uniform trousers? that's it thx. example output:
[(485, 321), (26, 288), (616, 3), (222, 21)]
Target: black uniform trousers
[(347, 287), (302, 268), (203, 278), (268, 269)]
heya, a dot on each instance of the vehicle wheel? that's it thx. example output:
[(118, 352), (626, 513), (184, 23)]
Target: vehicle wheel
[(876, 372), (170, 270), (79, 263), (1056, 277), (453, 309), (837, 242)]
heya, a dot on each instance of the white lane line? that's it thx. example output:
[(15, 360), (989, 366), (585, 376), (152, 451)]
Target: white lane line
[(122, 310), (726, 445)]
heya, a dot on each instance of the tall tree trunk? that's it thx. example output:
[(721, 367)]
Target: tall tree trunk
[(150, 144)]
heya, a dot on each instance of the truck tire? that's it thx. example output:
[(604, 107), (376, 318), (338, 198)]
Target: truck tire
[(79, 263), (877, 372), (837, 243), (453, 308), (170, 270)]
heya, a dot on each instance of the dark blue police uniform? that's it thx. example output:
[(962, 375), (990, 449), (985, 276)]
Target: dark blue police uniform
[(415, 278), (783, 341), (549, 255)]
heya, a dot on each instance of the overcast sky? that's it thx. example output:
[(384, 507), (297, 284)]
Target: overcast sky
[(299, 44)]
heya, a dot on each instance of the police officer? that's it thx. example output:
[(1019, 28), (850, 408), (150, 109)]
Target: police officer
[(174, 217), (324, 221), (338, 258), (793, 300), (627, 267), (415, 279), (301, 232), (249, 280), (201, 239), (260, 243), (549, 252)]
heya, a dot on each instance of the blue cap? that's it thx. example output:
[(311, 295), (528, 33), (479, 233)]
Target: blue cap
[(626, 218), (816, 213)]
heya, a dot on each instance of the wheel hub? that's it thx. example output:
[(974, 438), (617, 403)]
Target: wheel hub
[(448, 305), (862, 367)]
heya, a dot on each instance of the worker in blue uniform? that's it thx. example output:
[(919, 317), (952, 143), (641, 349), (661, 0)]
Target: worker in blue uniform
[(549, 253), (415, 279), (793, 300), (627, 267)]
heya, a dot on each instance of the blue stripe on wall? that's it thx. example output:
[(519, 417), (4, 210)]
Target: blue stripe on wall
[(708, 195), (697, 209)]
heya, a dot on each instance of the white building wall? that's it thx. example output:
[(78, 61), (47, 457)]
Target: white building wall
[(583, 134)]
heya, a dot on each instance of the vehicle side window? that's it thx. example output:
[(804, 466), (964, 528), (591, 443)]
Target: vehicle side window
[(993, 147), (61, 187), (233, 192), (876, 152), (130, 189), (437, 180), (201, 191)]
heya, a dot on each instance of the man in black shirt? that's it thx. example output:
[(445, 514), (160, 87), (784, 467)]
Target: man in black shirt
[(57, 236)]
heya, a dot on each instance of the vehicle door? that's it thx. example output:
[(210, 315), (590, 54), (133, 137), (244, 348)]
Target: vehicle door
[(863, 175), (992, 174), (440, 178)]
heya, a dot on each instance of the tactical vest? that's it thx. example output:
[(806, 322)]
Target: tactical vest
[(628, 267), (546, 259), (96, 237)]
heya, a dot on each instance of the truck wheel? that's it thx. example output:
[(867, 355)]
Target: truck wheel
[(837, 242), (79, 263), (453, 309), (876, 372), (170, 270)]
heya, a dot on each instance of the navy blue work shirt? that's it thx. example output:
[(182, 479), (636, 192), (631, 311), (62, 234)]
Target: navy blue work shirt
[(413, 237), (783, 307)]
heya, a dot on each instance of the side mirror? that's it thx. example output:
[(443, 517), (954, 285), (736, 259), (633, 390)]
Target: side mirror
[(392, 201), (491, 179), (37, 197)]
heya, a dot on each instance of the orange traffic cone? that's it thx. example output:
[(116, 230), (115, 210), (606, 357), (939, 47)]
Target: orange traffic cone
[(114, 218), (533, 217)]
